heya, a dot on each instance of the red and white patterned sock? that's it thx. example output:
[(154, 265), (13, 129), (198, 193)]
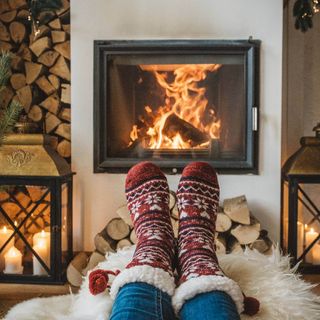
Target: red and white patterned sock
[(147, 194), (198, 199)]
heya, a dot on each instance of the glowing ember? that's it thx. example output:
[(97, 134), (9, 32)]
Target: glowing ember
[(185, 121)]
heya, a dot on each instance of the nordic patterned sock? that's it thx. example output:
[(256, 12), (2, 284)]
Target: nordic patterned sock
[(198, 199), (147, 195)]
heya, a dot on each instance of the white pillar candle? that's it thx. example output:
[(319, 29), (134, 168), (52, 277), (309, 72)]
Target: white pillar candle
[(13, 261), (316, 253), (42, 250), (41, 237), (5, 234), (310, 237)]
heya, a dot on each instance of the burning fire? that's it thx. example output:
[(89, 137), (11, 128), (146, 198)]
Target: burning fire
[(185, 121)]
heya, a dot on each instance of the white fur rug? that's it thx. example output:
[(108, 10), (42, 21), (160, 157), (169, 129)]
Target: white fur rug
[(282, 293)]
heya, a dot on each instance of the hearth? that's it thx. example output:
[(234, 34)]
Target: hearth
[(173, 102)]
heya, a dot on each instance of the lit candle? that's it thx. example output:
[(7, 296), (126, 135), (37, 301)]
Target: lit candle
[(310, 236), (13, 261), (41, 237), (5, 234), (42, 250), (316, 253)]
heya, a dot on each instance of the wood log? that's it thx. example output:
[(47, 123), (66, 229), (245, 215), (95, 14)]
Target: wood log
[(58, 36), (24, 52), (16, 62), (4, 34), (36, 192), (220, 243), (4, 6), (23, 14), (245, 234), (75, 267), (175, 125), (133, 237), (45, 85), (23, 199), (104, 243), (237, 209), (117, 229), (51, 122), (223, 222), (5, 46), (61, 69), (65, 114), (64, 131), (40, 45), (25, 97), (123, 243), (66, 28), (63, 49), (172, 199), (124, 214), (262, 245), (35, 113), (65, 7), (45, 16), (65, 17), (33, 71), (8, 16), (17, 4), (17, 80), (48, 58), (6, 96), (55, 81), (4, 196), (66, 93), (52, 104), (55, 24), (234, 245), (12, 209), (95, 258), (42, 31), (64, 149), (17, 31)]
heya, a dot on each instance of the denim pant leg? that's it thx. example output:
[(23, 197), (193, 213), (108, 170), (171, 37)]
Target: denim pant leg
[(141, 301), (214, 305)]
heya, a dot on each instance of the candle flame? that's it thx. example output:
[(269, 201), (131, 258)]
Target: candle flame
[(4, 229)]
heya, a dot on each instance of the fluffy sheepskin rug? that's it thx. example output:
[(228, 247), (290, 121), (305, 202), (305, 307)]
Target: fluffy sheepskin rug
[(282, 293)]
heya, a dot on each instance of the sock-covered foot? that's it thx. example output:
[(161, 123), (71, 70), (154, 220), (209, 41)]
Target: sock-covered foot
[(147, 195), (199, 271)]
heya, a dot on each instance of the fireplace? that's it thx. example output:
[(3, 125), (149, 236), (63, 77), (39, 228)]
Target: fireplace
[(172, 102)]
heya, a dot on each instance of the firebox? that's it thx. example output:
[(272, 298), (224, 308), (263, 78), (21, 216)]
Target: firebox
[(176, 101)]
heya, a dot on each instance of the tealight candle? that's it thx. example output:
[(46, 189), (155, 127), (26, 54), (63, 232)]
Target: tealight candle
[(5, 234), (311, 235), (13, 261)]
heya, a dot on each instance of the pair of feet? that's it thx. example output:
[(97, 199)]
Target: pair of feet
[(156, 256)]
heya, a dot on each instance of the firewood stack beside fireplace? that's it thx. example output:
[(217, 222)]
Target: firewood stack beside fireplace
[(236, 228)]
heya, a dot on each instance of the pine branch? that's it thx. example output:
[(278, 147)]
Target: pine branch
[(38, 6), (5, 61), (8, 118)]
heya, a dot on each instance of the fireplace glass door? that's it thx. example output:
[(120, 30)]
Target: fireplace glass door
[(174, 105)]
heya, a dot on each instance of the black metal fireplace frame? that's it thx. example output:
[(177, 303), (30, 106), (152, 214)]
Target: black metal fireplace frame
[(250, 49)]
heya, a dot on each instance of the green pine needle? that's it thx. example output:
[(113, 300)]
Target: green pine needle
[(5, 61)]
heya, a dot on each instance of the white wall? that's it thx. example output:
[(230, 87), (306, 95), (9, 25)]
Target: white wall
[(97, 196)]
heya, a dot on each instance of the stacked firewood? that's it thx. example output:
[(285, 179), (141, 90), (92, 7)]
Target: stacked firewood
[(40, 77), (236, 228)]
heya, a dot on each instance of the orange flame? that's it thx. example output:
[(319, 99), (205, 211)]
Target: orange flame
[(184, 99)]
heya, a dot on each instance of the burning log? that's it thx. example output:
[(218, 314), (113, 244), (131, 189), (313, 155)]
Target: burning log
[(175, 125)]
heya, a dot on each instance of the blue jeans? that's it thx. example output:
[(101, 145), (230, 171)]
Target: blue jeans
[(141, 301)]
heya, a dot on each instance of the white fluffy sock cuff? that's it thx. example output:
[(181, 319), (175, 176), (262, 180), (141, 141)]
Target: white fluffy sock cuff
[(202, 284), (155, 276)]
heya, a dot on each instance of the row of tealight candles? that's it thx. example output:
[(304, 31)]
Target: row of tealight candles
[(306, 236), (11, 257)]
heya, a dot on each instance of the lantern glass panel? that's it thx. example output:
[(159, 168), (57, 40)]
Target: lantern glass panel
[(64, 222), (285, 216), (25, 222)]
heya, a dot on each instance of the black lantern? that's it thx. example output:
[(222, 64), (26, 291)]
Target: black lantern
[(35, 211), (300, 227)]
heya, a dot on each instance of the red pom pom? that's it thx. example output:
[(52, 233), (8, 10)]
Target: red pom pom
[(251, 306), (98, 281)]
